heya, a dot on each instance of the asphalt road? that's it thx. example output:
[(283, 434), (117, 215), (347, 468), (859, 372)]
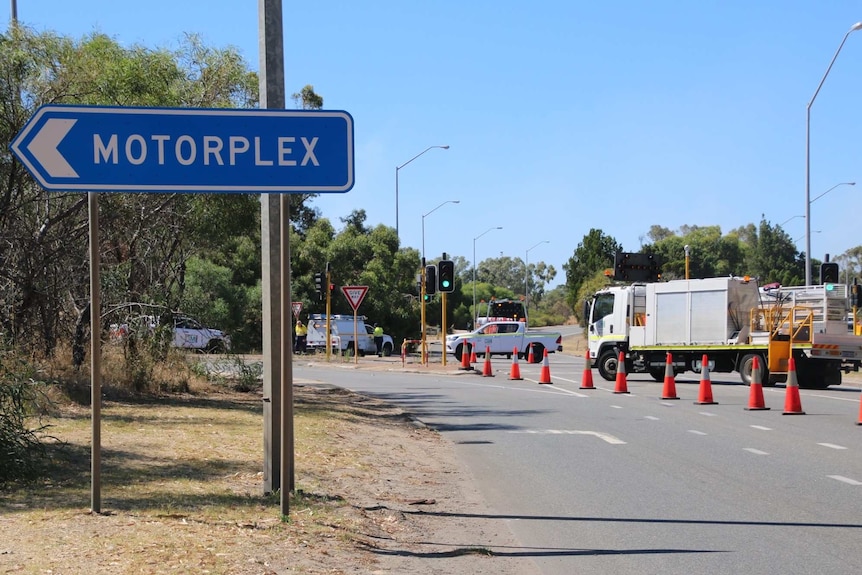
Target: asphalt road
[(590, 481)]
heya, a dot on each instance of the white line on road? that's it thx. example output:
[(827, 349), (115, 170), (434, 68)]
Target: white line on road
[(832, 446), (708, 414), (843, 479), (603, 436), (651, 417), (761, 427), (754, 451), (617, 406), (696, 432)]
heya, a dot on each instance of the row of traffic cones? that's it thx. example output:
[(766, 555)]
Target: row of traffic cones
[(792, 402), (515, 372), (756, 402)]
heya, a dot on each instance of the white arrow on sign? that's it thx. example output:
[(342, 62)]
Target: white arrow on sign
[(297, 307), (354, 294), (44, 148)]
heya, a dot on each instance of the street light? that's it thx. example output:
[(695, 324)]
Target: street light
[(423, 223), (856, 26), (474, 269), (396, 181), (527, 275), (832, 188), (422, 294), (817, 198)]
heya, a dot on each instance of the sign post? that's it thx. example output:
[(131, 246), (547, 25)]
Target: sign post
[(186, 150), (355, 295)]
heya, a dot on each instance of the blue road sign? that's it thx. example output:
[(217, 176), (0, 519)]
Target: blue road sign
[(118, 149)]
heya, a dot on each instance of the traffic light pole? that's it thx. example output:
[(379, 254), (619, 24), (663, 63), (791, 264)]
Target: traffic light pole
[(443, 299)]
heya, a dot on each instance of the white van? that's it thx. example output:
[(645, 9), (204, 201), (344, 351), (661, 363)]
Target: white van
[(341, 331)]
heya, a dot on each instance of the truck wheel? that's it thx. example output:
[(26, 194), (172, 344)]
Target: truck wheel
[(387, 349), (657, 373), (745, 369), (458, 351), (538, 352), (608, 364)]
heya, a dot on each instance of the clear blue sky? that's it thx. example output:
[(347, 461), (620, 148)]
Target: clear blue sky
[(561, 116)]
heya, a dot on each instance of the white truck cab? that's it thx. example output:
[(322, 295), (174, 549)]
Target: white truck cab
[(341, 331)]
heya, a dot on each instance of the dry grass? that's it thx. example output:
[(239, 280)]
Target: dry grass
[(182, 488)]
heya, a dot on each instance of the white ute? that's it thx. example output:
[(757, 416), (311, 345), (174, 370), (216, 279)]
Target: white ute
[(503, 338)]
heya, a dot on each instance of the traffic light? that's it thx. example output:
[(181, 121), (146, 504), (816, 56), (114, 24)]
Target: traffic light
[(430, 281), (857, 295), (829, 273), (318, 284), (446, 276)]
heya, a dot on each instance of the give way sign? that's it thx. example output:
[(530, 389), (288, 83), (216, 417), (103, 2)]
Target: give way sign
[(354, 295)]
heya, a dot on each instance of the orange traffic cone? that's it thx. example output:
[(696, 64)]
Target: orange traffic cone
[(669, 390), (621, 383), (465, 358), (860, 413), (473, 358), (704, 396), (755, 397), (545, 373), (486, 370), (530, 358), (587, 379), (792, 401), (515, 373)]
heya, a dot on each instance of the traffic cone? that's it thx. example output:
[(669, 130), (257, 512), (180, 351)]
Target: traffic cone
[(515, 373), (621, 383), (486, 370), (860, 413), (545, 373), (465, 358), (704, 396), (473, 358), (792, 401), (530, 358), (755, 397), (587, 379), (669, 390)]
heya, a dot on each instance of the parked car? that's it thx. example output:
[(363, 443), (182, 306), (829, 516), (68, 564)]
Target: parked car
[(187, 332)]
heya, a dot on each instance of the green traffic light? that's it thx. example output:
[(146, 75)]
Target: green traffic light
[(445, 283)]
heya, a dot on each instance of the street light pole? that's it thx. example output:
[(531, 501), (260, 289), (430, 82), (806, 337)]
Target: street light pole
[(475, 315), (422, 291), (855, 27), (397, 168), (527, 278)]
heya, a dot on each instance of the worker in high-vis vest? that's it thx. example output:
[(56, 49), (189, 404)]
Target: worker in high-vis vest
[(301, 337), (378, 339)]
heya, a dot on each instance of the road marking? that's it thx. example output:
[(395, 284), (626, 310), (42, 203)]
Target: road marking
[(668, 404), (603, 436), (617, 406), (754, 451), (761, 427), (651, 417), (832, 446), (708, 414), (843, 479), (832, 397), (570, 392), (696, 432)]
